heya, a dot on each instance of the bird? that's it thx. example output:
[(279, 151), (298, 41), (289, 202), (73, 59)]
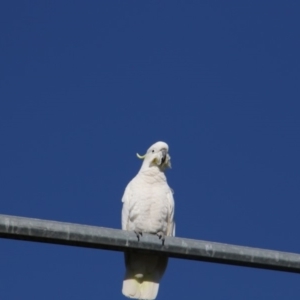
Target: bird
[(148, 207)]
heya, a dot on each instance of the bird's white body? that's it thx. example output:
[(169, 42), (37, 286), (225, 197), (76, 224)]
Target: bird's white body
[(148, 206)]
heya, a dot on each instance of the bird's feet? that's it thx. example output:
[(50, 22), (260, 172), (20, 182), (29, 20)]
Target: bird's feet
[(161, 236), (138, 234)]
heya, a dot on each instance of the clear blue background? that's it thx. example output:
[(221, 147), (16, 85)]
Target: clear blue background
[(84, 85)]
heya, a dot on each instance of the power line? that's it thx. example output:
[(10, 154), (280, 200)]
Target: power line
[(62, 233)]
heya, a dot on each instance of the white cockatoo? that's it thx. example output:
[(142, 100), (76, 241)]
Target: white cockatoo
[(148, 206)]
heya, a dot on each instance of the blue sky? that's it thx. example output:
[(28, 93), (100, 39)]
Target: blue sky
[(86, 85)]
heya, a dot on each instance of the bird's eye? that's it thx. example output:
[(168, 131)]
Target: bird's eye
[(152, 151)]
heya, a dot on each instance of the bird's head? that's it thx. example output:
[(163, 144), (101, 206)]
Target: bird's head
[(157, 155)]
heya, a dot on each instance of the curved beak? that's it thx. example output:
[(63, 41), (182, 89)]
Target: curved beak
[(164, 156)]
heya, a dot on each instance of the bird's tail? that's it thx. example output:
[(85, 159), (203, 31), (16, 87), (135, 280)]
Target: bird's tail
[(134, 288), (143, 273)]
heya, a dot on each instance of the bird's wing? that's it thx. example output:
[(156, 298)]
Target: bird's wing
[(171, 209), (126, 199)]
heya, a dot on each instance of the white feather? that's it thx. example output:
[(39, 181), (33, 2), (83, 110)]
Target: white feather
[(148, 206)]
